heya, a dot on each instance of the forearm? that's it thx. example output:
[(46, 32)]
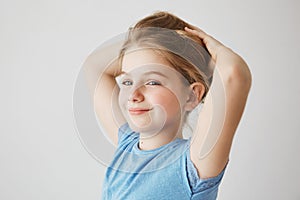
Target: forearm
[(99, 70), (102, 63), (232, 68)]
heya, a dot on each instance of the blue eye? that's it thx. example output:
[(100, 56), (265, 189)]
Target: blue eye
[(153, 83), (127, 83)]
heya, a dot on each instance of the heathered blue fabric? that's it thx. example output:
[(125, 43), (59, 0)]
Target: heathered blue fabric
[(159, 174)]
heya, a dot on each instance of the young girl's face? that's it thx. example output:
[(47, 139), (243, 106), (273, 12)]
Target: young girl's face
[(152, 94)]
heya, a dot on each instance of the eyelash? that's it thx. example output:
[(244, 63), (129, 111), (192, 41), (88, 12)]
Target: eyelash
[(126, 83), (152, 83)]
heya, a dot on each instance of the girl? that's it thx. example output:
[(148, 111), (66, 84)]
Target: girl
[(165, 69)]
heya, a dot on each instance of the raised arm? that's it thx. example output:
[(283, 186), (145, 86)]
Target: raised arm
[(222, 110), (100, 69)]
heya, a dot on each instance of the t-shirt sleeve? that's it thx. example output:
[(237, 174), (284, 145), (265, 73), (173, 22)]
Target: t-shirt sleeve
[(202, 188), (125, 135)]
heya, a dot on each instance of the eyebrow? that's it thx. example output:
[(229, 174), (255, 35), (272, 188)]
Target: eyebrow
[(147, 73)]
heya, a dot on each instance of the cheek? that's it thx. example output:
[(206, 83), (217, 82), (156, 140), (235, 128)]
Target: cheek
[(165, 99)]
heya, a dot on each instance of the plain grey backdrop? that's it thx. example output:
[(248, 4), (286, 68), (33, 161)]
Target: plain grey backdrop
[(43, 45)]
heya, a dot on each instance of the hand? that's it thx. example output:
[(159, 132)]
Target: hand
[(222, 55), (212, 45)]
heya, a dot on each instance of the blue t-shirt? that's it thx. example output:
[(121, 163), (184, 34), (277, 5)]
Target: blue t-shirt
[(163, 173)]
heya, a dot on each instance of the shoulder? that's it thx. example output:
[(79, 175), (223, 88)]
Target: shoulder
[(200, 187), (126, 135)]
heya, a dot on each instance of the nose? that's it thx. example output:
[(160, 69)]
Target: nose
[(136, 96)]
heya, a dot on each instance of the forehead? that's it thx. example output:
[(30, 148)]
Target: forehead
[(142, 57)]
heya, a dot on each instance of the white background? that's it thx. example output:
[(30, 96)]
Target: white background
[(43, 45)]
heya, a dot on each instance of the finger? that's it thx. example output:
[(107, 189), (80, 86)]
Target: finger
[(195, 28), (211, 43), (204, 36), (198, 32), (207, 39)]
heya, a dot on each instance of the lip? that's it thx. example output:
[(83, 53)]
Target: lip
[(138, 111)]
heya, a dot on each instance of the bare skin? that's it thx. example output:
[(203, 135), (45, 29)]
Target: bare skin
[(220, 115)]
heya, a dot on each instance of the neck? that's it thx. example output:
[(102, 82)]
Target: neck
[(152, 141)]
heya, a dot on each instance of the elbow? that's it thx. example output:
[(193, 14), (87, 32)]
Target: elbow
[(240, 76)]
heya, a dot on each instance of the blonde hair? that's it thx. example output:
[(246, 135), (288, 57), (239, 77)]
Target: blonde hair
[(164, 33)]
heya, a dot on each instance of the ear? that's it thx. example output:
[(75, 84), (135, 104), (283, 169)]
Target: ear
[(197, 91)]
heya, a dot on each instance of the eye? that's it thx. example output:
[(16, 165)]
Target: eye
[(153, 83), (126, 82)]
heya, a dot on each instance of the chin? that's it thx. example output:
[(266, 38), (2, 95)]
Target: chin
[(147, 127), (149, 123)]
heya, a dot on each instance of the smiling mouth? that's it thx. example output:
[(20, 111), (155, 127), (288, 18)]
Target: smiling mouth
[(138, 111)]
